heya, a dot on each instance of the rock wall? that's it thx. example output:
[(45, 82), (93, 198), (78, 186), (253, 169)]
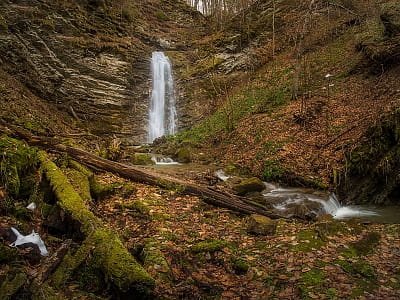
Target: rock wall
[(89, 58)]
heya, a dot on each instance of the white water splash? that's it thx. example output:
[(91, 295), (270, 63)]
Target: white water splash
[(333, 207), (162, 111), (330, 204)]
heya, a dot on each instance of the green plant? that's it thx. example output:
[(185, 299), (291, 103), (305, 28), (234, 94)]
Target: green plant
[(273, 170)]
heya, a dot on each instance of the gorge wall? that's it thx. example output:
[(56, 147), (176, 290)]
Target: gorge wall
[(91, 59)]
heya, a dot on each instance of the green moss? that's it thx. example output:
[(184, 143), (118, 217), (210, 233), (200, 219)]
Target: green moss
[(367, 244), (273, 170), (154, 259), (18, 161), (311, 280), (308, 241), (329, 228), (7, 254), (100, 191), (141, 159), (360, 266), (116, 263), (10, 286), (80, 183), (89, 276), (209, 246), (249, 185), (240, 266), (136, 206), (120, 267), (183, 155), (3, 24), (68, 199), (161, 16)]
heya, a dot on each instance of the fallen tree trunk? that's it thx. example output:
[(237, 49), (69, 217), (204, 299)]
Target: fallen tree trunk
[(220, 199), (209, 196)]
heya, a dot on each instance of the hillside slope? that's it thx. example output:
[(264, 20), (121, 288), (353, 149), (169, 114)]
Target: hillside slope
[(305, 139)]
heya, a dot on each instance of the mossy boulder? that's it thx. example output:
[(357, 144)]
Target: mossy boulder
[(261, 225), (248, 185), (141, 159), (326, 225), (183, 155)]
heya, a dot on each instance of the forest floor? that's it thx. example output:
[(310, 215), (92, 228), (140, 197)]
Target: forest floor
[(197, 251)]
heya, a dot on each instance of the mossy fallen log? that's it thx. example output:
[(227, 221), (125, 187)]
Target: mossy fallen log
[(118, 265)]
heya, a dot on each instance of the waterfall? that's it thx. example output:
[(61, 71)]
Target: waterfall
[(162, 112)]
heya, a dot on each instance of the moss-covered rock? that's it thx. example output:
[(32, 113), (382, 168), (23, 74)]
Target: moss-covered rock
[(360, 266), (248, 185), (141, 159), (208, 246), (261, 225), (183, 155)]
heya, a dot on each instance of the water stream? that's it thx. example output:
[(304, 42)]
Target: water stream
[(162, 111), (283, 198)]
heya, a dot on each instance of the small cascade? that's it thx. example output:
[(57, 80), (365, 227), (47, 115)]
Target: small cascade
[(164, 160), (162, 111), (333, 207)]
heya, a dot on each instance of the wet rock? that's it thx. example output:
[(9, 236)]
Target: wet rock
[(261, 225), (249, 185), (305, 209)]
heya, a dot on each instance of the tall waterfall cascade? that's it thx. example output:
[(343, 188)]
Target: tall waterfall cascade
[(162, 111)]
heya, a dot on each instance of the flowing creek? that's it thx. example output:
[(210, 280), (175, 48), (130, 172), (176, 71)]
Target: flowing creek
[(283, 198)]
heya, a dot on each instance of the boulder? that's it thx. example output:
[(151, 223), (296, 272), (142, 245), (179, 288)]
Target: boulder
[(248, 185), (261, 225), (141, 159), (183, 155)]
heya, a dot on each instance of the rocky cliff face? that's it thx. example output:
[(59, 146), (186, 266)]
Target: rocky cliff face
[(91, 58)]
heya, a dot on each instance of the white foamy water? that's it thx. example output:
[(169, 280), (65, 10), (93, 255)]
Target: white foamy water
[(329, 204), (164, 161), (162, 111)]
